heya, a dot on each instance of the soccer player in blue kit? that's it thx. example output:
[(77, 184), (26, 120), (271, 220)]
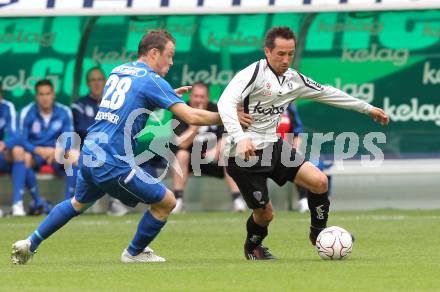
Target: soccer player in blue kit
[(132, 88)]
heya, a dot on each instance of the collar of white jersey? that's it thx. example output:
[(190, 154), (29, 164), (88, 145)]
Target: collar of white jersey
[(280, 78)]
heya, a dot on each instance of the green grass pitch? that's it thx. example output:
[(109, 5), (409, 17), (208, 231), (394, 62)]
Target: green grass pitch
[(394, 251)]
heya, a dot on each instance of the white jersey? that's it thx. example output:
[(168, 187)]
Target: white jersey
[(265, 96)]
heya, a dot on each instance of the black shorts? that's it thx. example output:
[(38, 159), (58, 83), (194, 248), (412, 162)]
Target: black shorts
[(252, 181)]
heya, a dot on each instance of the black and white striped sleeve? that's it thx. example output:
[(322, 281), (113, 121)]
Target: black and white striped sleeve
[(330, 95)]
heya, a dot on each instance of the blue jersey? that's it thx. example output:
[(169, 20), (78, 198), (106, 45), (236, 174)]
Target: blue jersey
[(295, 121), (36, 132), (132, 91), (84, 112), (7, 123)]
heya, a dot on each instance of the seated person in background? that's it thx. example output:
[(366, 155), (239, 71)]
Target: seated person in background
[(84, 111), (185, 135), (291, 123), (41, 123), (11, 155)]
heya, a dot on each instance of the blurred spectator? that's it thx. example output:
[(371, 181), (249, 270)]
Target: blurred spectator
[(41, 123), (11, 154), (185, 136), (84, 112)]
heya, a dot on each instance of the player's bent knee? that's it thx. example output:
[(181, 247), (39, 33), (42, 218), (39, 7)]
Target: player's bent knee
[(162, 209), (268, 217), (79, 207), (172, 204), (263, 216), (321, 184), (28, 159)]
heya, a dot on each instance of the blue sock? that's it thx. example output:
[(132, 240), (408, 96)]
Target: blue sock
[(18, 180), (148, 228), (57, 218), (31, 184), (69, 187)]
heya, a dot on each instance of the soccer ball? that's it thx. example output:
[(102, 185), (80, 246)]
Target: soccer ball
[(334, 243)]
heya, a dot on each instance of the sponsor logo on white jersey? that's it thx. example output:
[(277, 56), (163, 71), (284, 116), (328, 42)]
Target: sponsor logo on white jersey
[(273, 110)]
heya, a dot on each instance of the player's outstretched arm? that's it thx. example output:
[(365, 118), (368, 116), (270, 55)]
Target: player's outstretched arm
[(335, 97), (194, 116), (201, 117)]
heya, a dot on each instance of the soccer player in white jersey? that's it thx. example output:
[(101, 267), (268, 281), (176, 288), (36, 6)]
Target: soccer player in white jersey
[(265, 89)]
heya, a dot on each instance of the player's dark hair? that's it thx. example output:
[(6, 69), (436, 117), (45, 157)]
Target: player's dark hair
[(283, 32), (43, 82), (154, 39), (96, 68), (201, 84)]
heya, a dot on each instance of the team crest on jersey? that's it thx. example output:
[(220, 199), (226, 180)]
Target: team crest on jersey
[(36, 127), (2, 122), (258, 195), (90, 112), (266, 90), (57, 125)]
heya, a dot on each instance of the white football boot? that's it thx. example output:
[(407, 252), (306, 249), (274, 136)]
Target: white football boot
[(18, 209), (146, 256), (303, 205), (21, 252)]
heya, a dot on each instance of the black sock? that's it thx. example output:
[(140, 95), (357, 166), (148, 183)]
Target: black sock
[(319, 206), (178, 194), (255, 234), (235, 195), (302, 192)]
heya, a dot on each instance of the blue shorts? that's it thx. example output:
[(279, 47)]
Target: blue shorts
[(4, 165), (128, 187)]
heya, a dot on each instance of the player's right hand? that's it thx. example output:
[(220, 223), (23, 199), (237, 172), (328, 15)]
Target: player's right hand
[(182, 90), (379, 115), (246, 149)]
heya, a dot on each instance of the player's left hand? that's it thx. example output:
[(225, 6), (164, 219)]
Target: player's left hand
[(378, 115), (182, 90)]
